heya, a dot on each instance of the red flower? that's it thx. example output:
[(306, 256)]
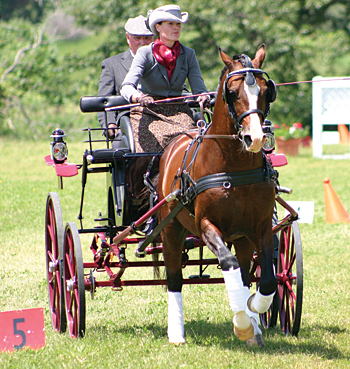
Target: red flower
[(298, 125)]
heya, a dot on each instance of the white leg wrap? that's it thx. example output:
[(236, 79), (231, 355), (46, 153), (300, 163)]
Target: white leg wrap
[(175, 318), (238, 296), (251, 314), (260, 303), (237, 293), (254, 317)]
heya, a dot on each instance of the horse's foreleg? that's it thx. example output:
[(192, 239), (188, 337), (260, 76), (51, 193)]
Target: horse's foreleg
[(244, 251), (262, 299), (238, 294), (214, 240), (173, 240)]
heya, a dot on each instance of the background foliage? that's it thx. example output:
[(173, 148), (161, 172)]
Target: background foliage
[(51, 51)]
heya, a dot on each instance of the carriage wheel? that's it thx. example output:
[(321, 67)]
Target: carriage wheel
[(74, 281), (290, 279), (54, 250)]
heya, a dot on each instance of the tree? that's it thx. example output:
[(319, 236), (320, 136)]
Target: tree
[(32, 74), (304, 38), (31, 10), (295, 34)]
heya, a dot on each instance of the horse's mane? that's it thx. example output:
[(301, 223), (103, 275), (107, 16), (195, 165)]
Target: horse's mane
[(222, 73)]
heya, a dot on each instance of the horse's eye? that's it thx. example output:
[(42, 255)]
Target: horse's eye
[(233, 95)]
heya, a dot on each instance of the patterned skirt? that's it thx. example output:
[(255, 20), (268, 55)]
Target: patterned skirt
[(157, 125)]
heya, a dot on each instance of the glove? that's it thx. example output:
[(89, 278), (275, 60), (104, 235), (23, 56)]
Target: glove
[(205, 99), (145, 100), (112, 130)]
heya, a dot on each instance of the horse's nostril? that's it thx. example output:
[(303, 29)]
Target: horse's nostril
[(248, 140)]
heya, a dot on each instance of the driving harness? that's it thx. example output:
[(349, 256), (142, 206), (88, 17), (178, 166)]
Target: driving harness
[(249, 78), (189, 188)]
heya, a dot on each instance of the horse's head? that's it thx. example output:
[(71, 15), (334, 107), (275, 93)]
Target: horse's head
[(247, 95)]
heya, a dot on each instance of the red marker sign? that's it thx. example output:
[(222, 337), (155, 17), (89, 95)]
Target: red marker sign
[(22, 328)]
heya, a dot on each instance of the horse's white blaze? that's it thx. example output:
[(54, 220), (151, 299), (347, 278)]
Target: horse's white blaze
[(256, 133)]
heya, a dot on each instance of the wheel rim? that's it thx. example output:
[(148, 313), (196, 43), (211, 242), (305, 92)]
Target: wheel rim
[(290, 279), (53, 250), (74, 284)]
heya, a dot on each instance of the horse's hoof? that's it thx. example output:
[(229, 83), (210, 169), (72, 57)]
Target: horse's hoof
[(256, 341), (244, 334)]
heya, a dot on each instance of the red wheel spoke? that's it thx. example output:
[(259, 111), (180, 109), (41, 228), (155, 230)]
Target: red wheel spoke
[(70, 266), (51, 257), (289, 271), (52, 234)]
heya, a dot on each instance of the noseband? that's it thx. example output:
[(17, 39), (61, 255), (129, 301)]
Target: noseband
[(250, 80)]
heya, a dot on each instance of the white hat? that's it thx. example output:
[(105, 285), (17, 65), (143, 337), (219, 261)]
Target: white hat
[(137, 26), (166, 13)]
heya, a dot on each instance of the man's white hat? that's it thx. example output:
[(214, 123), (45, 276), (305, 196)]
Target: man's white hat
[(166, 13), (137, 26)]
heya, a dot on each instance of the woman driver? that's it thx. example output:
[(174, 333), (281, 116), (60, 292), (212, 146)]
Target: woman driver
[(159, 71)]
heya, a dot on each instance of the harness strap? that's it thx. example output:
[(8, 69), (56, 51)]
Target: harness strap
[(227, 180), (140, 252)]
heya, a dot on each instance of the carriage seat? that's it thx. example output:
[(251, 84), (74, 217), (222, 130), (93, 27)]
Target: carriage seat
[(94, 104)]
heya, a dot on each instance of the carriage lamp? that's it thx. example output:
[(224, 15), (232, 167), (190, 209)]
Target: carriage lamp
[(270, 137), (59, 150)]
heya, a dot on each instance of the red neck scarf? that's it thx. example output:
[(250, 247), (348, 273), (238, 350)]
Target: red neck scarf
[(167, 56)]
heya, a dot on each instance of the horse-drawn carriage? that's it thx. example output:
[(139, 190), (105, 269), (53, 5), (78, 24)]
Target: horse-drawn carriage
[(128, 221)]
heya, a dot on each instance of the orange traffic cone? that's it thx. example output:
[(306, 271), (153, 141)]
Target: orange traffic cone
[(344, 135), (335, 210)]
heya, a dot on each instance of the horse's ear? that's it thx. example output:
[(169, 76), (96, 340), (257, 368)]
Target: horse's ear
[(226, 59), (260, 56)]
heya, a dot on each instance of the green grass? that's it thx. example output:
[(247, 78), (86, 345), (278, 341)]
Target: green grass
[(335, 149), (127, 329)]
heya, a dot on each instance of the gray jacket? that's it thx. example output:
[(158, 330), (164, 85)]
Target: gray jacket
[(151, 78), (114, 70)]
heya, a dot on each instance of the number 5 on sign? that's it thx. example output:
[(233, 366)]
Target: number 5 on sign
[(22, 328)]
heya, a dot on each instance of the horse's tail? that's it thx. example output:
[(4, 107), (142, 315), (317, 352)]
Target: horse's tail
[(156, 269)]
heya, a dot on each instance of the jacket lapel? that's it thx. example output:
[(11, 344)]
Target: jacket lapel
[(164, 72), (126, 60), (179, 62)]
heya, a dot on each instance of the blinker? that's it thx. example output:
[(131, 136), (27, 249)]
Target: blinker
[(250, 79)]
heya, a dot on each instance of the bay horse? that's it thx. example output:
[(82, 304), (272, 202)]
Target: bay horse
[(228, 197)]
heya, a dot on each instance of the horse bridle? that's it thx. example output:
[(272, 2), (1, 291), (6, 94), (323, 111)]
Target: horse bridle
[(248, 71)]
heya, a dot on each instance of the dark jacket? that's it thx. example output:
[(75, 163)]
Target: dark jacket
[(150, 77), (114, 70)]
